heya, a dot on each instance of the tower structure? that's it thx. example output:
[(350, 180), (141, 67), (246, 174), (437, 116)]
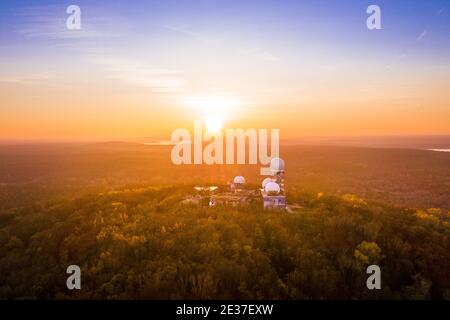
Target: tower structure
[(273, 189)]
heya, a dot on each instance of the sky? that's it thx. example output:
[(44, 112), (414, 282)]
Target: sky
[(146, 68)]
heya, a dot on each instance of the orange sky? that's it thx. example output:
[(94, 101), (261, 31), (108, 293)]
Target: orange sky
[(111, 111)]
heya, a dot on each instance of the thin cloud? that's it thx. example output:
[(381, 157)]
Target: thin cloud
[(210, 39), (196, 35), (263, 55), (94, 42), (422, 35), (140, 74), (36, 78)]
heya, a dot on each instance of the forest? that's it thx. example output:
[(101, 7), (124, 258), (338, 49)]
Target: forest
[(147, 244), (118, 212)]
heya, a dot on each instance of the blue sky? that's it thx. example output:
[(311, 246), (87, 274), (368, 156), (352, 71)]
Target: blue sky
[(335, 24), (327, 30)]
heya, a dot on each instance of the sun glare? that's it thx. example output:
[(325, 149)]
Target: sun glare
[(213, 125), (213, 109)]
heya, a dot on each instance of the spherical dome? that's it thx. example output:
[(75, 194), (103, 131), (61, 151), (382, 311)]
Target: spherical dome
[(239, 180), (266, 181), (276, 165), (272, 187)]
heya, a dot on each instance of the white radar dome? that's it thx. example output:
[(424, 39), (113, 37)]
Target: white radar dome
[(266, 181), (272, 187), (239, 180), (276, 165)]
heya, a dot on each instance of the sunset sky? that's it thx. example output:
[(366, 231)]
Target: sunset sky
[(145, 68)]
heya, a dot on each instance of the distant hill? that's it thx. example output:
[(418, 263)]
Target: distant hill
[(399, 142)]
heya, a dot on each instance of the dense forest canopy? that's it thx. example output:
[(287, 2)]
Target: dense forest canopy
[(147, 243)]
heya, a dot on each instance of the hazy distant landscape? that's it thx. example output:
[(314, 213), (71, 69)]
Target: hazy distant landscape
[(408, 177), (398, 141)]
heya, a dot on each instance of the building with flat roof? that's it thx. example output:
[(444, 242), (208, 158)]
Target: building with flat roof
[(274, 202)]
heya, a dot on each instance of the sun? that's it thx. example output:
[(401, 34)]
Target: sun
[(213, 124), (213, 108)]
